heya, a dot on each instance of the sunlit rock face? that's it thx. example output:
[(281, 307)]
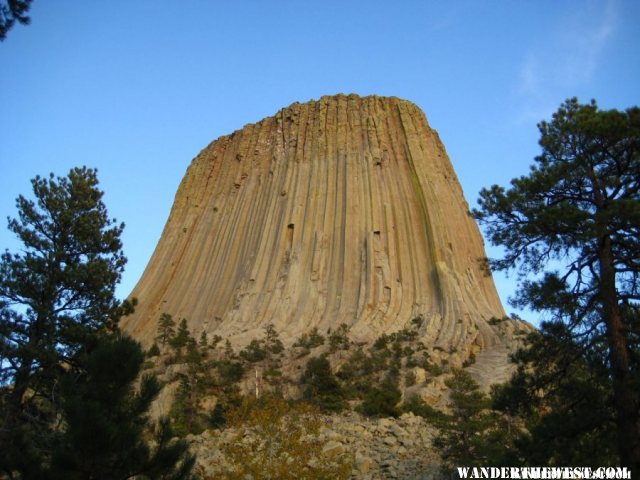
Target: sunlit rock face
[(341, 210)]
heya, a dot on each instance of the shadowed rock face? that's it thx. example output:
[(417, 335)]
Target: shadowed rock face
[(341, 210)]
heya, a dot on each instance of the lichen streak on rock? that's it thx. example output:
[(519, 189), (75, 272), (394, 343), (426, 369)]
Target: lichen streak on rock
[(341, 210)]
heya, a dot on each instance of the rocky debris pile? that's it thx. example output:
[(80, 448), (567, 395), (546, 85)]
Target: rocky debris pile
[(378, 448)]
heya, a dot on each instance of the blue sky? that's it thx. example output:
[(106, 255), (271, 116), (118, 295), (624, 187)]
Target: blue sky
[(137, 88)]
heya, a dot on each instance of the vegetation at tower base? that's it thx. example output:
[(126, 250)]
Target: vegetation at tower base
[(578, 212), (105, 421), (65, 408), (559, 404), (321, 387), (472, 434), (279, 439)]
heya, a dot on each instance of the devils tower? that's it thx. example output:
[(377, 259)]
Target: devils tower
[(341, 210)]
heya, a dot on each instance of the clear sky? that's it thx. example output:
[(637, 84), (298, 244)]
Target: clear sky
[(137, 88)]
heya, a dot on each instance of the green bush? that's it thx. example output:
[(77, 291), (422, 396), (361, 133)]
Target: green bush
[(310, 340), (229, 371), (254, 352), (153, 351), (322, 388), (381, 401), (417, 406), (339, 339)]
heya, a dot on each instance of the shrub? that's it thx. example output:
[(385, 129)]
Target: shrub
[(254, 352), (282, 443), (153, 351), (229, 371), (310, 340), (381, 342), (417, 406), (321, 386), (469, 361), (409, 379), (381, 401), (272, 340), (339, 339)]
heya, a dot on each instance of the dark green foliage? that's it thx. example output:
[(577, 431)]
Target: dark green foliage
[(272, 375), (469, 433), (417, 323), (105, 420), (497, 321), (272, 340), (229, 371), (153, 351), (181, 338), (409, 378), (229, 399), (339, 338), (381, 342), (56, 296), (358, 365), (469, 361), (203, 343), (563, 399), (12, 11), (215, 341), (321, 387), (259, 350), (72, 411), (433, 368), (381, 401), (310, 340), (166, 329), (579, 208), (417, 406), (254, 352), (195, 382), (411, 361), (228, 350), (397, 338)]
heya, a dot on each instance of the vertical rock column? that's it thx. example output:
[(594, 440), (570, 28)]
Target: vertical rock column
[(341, 210)]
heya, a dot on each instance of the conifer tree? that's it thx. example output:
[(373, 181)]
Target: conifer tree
[(560, 402), (321, 387), (182, 336), (166, 329), (12, 11), (59, 342), (466, 433), (56, 295), (572, 225), (105, 421)]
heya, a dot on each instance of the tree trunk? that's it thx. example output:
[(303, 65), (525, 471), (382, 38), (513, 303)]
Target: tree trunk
[(627, 415)]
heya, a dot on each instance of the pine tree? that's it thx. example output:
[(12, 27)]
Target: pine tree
[(204, 341), (106, 424), (466, 432), (186, 414), (12, 11), (56, 295), (560, 401), (321, 387), (272, 340), (66, 399), (182, 336), (578, 212), (166, 329)]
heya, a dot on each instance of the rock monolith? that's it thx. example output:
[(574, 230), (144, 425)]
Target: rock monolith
[(341, 210)]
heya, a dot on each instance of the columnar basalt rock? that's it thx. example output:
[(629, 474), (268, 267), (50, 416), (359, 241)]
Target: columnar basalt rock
[(341, 210)]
